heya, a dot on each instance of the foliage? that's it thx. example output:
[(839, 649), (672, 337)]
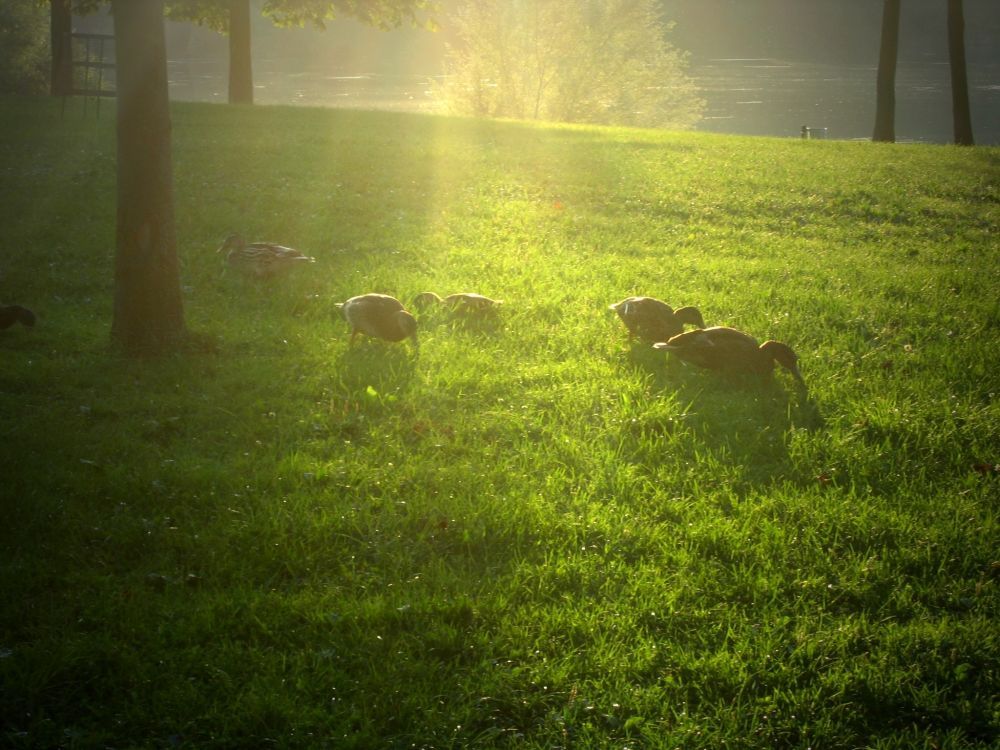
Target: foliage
[(25, 44), (600, 61), (380, 13), (531, 533)]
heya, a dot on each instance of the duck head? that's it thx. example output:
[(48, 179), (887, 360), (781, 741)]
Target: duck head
[(232, 242), (784, 356), (690, 315), (407, 325)]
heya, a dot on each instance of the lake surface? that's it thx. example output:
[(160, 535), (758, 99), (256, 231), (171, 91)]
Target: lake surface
[(757, 96)]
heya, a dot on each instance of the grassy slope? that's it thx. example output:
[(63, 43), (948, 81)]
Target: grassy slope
[(530, 534)]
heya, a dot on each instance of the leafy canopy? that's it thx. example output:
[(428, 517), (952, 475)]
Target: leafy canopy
[(381, 13), (596, 61)]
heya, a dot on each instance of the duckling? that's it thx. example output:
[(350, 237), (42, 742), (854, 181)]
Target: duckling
[(653, 320), (427, 299), (462, 302), (11, 314), (729, 350), (380, 316), (261, 259)]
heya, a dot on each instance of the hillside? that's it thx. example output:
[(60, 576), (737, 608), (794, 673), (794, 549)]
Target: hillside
[(528, 532)]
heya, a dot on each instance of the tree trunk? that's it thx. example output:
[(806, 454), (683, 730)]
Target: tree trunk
[(148, 313), (885, 94), (959, 79), (60, 27), (240, 65)]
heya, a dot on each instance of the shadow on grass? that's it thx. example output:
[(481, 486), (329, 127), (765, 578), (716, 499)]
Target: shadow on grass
[(778, 391), (377, 365), (737, 424), (484, 323)]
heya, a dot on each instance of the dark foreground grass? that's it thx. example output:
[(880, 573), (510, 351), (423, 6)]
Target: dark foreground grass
[(531, 533)]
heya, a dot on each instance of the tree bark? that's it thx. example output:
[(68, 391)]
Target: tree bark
[(60, 27), (885, 91), (961, 115), (148, 312), (240, 64)]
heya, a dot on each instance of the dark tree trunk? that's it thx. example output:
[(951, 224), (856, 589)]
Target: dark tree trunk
[(240, 65), (60, 27), (885, 91), (148, 313), (959, 78)]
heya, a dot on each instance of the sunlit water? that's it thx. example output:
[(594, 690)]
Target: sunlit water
[(746, 96)]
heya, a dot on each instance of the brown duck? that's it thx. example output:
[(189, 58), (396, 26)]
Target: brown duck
[(379, 316), (261, 259), (463, 302), (11, 314), (728, 350), (653, 320)]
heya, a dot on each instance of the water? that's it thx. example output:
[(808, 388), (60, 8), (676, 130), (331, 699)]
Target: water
[(756, 96), (777, 98)]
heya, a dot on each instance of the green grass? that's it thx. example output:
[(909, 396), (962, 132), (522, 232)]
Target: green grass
[(530, 534)]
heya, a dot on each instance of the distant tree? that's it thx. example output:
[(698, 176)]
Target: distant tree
[(598, 61), (23, 42), (60, 26), (885, 88), (234, 17), (148, 312), (240, 55), (961, 115)]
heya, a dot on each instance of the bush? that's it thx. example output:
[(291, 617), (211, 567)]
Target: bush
[(600, 61)]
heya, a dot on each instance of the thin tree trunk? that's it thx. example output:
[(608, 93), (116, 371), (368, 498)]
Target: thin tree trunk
[(60, 27), (959, 79), (885, 92), (148, 312), (240, 64)]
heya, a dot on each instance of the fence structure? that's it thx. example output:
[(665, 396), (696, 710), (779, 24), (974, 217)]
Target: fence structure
[(93, 64)]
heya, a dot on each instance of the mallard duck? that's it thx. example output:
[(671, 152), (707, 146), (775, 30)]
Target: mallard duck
[(261, 259), (465, 302), (380, 316), (729, 350), (11, 314), (653, 320)]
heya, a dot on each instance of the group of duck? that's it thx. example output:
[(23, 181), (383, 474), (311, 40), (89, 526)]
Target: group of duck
[(648, 319)]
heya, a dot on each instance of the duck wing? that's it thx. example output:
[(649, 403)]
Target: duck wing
[(277, 251), (471, 301), (716, 348), (373, 314)]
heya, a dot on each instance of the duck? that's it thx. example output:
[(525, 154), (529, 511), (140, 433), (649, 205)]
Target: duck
[(463, 302), (728, 350), (653, 320), (11, 314), (379, 316), (261, 259)]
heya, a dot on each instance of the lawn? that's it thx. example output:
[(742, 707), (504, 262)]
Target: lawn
[(530, 532)]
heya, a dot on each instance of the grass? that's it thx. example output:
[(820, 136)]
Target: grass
[(530, 534)]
